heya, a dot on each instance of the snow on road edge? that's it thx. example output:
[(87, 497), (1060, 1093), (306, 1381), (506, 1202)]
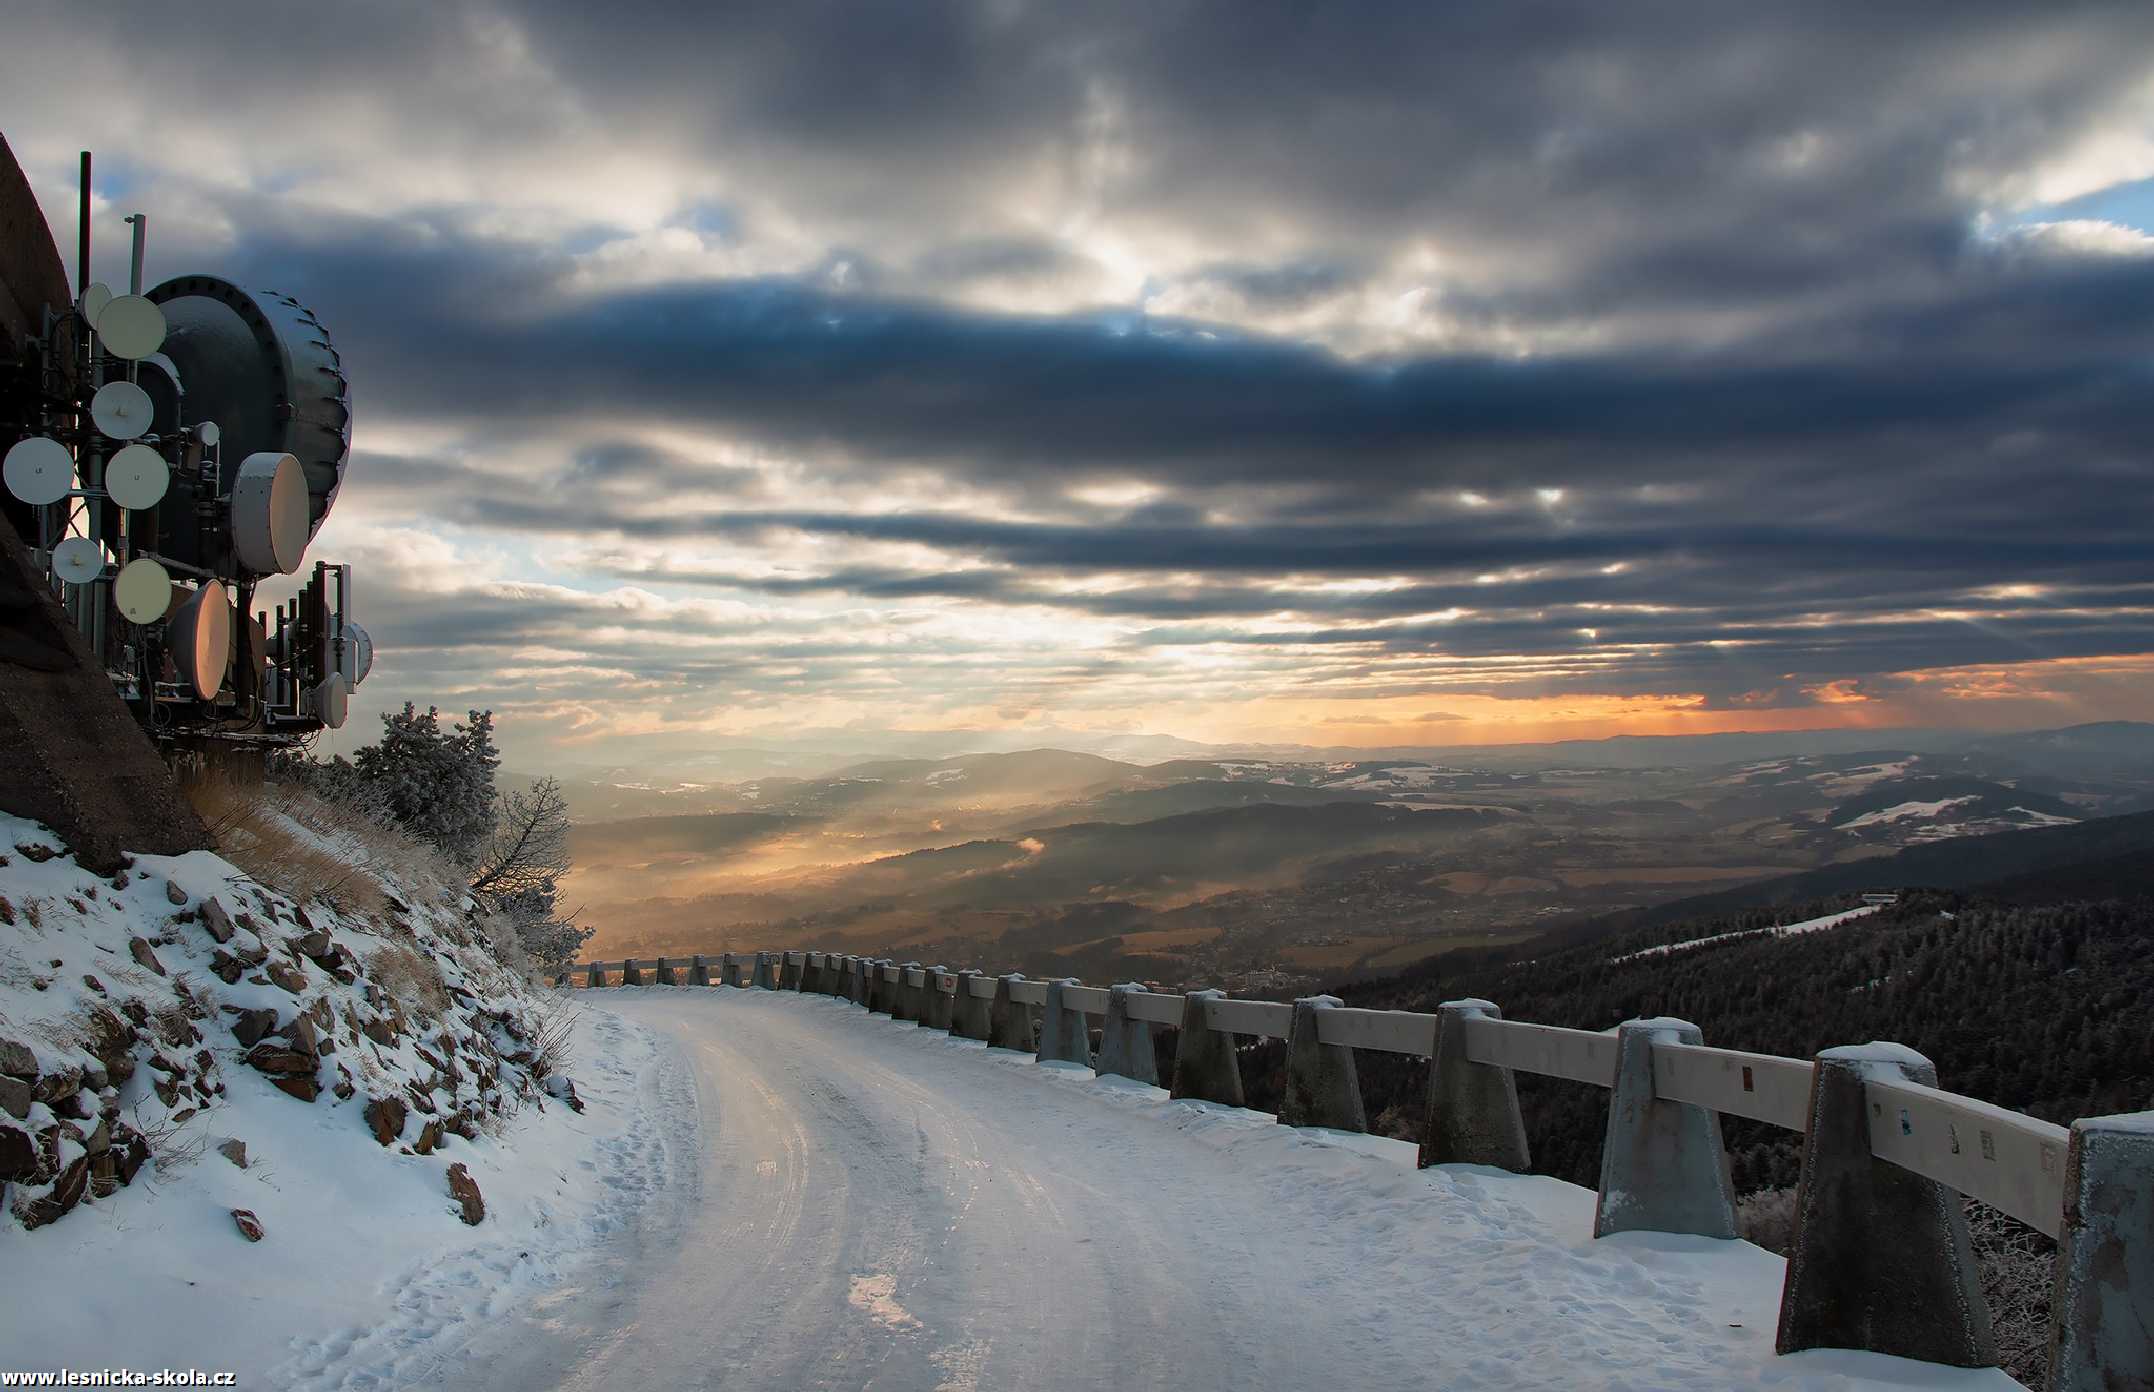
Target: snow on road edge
[(366, 1278)]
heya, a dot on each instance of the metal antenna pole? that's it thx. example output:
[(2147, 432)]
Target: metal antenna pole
[(82, 232)]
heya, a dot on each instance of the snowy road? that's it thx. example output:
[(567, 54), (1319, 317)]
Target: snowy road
[(875, 1205)]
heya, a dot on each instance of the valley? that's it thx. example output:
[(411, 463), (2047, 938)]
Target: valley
[(1269, 875)]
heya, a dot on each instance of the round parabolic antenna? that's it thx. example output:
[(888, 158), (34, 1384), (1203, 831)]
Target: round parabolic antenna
[(332, 701), (143, 591), (269, 514), (77, 560), (38, 471), (263, 368), (121, 410), (93, 302), (137, 477), (131, 326), (201, 640), (358, 653)]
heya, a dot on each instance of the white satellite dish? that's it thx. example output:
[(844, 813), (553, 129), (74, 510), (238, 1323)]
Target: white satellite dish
[(200, 639), (143, 591), (270, 517), (136, 477), (39, 470), (78, 561), (121, 410), (94, 300), (131, 326), (358, 652), (332, 701)]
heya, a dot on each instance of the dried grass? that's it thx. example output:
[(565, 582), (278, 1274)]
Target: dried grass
[(311, 848), (414, 978)]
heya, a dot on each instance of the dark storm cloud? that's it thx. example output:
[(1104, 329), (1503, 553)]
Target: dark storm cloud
[(1727, 278)]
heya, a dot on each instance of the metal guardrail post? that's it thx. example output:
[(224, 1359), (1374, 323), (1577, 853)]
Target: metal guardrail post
[(631, 974), (2100, 1335), (1472, 1115), (699, 971), (1009, 1020), (665, 973), (1125, 1045), (1881, 1259), (1065, 1037), (1205, 1067), (970, 1015), (1664, 1167), (1322, 1086)]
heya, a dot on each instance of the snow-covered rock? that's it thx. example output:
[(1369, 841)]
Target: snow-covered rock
[(185, 1027)]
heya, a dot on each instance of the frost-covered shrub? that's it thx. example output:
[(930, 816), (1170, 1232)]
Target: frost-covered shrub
[(1767, 1218), (437, 783), (2018, 1271)]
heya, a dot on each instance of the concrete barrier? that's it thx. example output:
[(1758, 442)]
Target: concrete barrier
[(729, 970), (856, 980), (789, 971), (665, 973), (631, 974), (2101, 1337), (1322, 1086), (1205, 1066), (765, 976), (1125, 1045), (882, 992), (699, 971), (905, 1002), (1663, 1166), (935, 1010), (1881, 1259), (969, 1014), (1010, 1022), (597, 976), (1065, 1035), (1472, 1116), (811, 973)]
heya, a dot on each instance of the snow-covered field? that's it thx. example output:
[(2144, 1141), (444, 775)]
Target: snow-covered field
[(1784, 930), (878, 1205)]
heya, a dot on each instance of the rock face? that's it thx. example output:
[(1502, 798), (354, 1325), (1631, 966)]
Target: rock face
[(233, 1149), (16, 1060), (465, 1190), (386, 1116), (19, 1159), (66, 1192), (139, 949)]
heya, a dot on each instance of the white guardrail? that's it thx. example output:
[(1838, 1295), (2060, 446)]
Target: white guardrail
[(1882, 1141)]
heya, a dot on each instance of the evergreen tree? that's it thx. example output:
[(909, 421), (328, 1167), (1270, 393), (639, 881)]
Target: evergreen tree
[(436, 783)]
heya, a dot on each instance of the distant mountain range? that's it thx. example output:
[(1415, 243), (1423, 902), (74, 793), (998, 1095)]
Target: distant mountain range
[(2080, 749)]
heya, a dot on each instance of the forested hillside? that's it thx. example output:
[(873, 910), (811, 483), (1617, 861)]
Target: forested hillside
[(2046, 1008)]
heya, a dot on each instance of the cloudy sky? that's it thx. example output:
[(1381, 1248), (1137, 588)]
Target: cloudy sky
[(1347, 374)]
